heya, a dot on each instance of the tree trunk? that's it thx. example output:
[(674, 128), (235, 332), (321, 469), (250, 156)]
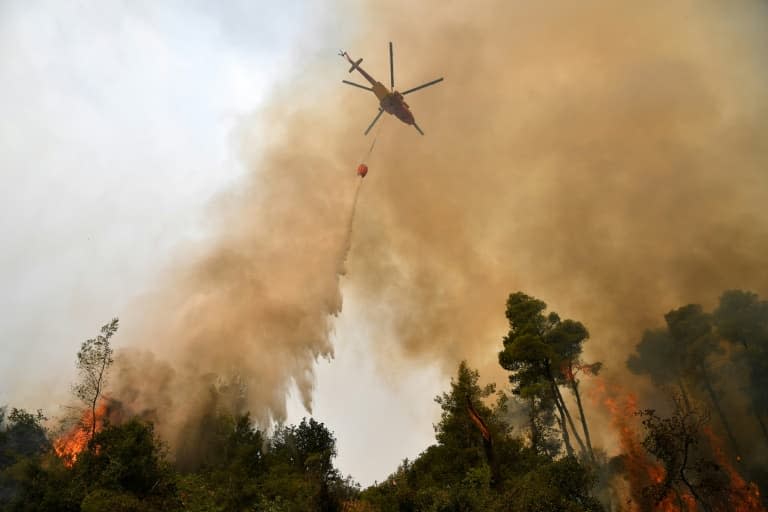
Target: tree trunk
[(760, 421), (684, 479), (684, 394), (583, 418), (559, 400), (559, 397), (493, 464), (564, 430), (762, 426), (719, 411), (535, 440), (93, 418)]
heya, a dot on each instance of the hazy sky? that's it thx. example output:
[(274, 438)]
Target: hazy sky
[(115, 139)]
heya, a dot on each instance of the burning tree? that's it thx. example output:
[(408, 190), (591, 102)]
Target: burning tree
[(742, 319), (697, 474), (681, 355), (689, 357), (93, 360), (464, 416), (457, 427), (674, 442), (692, 329)]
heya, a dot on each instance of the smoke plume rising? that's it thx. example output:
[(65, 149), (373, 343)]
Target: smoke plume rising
[(608, 159)]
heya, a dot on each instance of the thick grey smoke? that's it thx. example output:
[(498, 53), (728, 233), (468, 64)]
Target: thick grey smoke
[(608, 159)]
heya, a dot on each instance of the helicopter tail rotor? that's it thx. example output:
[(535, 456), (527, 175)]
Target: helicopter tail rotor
[(355, 64)]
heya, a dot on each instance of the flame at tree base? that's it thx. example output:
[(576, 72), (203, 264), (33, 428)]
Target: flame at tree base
[(72, 443)]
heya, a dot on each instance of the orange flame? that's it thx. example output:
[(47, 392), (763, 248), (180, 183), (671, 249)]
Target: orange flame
[(745, 497), (69, 445), (570, 370), (478, 421), (641, 471), (567, 371)]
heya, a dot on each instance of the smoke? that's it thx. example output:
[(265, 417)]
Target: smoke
[(607, 159), (238, 326)]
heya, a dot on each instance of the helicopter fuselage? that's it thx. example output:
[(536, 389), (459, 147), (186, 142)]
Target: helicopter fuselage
[(391, 102)]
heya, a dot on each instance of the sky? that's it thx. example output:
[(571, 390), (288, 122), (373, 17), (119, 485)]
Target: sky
[(115, 142), (115, 138)]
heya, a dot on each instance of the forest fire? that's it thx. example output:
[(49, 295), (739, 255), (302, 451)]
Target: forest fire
[(744, 497), (641, 472), (650, 488), (69, 445)]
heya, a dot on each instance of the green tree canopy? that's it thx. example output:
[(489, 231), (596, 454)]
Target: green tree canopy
[(543, 352)]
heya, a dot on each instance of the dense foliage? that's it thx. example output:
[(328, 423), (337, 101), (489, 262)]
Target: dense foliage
[(496, 451)]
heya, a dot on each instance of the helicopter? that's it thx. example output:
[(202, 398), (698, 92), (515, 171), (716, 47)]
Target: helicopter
[(390, 100)]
